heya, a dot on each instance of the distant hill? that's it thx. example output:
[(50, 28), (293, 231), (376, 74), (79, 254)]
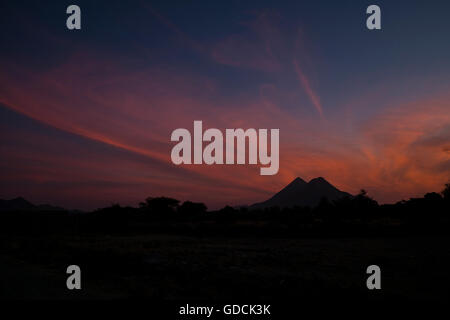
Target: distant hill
[(20, 204), (302, 193)]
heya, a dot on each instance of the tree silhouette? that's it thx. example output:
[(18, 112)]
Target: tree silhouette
[(189, 207), (363, 201), (160, 205), (446, 192)]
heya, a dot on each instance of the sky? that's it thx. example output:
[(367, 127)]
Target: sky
[(86, 115)]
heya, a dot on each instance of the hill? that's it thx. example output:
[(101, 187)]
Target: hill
[(302, 193)]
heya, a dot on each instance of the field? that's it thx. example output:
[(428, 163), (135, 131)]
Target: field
[(184, 268)]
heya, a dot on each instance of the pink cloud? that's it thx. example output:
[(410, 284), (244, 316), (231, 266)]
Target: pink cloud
[(307, 87)]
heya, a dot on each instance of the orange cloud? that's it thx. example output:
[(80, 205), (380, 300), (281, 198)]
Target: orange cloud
[(400, 153)]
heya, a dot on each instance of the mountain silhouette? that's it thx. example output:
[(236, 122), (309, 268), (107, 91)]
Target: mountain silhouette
[(302, 193), (20, 204)]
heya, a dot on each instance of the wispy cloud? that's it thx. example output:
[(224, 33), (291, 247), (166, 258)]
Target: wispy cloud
[(315, 100)]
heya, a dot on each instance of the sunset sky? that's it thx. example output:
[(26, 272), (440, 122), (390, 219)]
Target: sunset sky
[(86, 116)]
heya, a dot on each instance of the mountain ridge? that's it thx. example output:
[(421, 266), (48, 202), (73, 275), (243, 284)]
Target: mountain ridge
[(21, 204), (301, 193)]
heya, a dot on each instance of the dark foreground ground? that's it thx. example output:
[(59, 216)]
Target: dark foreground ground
[(216, 268)]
